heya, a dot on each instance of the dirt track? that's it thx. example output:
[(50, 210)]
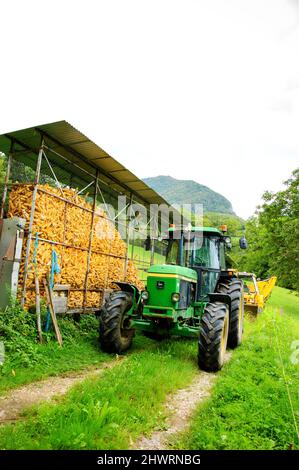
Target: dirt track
[(180, 408), (15, 402)]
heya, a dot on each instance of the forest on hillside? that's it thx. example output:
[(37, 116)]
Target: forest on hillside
[(187, 191)]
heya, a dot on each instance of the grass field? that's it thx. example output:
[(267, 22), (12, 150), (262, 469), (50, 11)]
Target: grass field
[(113, 410), (249, 407), (27, 361)]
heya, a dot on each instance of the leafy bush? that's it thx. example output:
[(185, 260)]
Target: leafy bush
[(19, 335)]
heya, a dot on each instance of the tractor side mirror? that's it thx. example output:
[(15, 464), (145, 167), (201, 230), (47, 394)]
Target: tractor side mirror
[(243, 243), (147, 243), (228, 243)]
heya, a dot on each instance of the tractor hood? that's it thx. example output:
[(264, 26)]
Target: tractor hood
[(163, 282), (174, 271)]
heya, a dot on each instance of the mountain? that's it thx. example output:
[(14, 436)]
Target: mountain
[(187, 192)]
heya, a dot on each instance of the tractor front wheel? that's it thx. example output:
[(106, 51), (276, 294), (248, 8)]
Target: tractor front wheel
[(115, 334), (213, 336)]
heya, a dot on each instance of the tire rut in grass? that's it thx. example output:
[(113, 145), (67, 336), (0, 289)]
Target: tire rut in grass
[(14, 403), (179, 409)]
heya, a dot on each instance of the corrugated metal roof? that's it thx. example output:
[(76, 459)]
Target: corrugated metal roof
[(67, 141)]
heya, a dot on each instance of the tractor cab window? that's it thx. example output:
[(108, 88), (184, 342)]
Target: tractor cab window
[(172, 254), (206, 252), (177, 252), (206, 261), (194, 250), (222, 255)]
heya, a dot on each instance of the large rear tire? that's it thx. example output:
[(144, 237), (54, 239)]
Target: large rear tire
[(115, 334), (234, 288), (213, 336)]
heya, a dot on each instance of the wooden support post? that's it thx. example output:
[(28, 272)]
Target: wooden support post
[(90, 238), (127, 241), (29, 236), (133, 245)]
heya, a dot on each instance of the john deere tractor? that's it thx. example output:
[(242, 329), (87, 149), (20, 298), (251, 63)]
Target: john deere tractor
[(193, 294)]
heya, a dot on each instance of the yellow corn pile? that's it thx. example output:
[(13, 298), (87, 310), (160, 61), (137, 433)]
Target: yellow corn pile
[(58, 221)]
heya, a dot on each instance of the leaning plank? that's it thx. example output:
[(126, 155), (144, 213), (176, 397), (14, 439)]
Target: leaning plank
[(37, 301), (52, 311)]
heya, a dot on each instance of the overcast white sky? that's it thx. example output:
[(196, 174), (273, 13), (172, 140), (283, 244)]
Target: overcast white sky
[(196, 89)]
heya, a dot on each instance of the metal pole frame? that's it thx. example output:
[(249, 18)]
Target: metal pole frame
[(152, 259), (154, 237), (53, 173), (6, 181), (133, 245), (67, 245), (32, 212), (127, 241), (95, 182)]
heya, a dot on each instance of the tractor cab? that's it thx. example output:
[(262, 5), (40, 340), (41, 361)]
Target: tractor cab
[(201, 249)]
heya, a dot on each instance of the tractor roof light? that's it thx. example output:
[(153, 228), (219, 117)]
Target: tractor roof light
[(223, 228)]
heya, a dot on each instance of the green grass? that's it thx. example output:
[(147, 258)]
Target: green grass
[(249, 407), (111, 411), (54, 360), (28, 361)]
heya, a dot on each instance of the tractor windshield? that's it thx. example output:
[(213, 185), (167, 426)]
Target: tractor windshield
[(205, 252), (194, 250)]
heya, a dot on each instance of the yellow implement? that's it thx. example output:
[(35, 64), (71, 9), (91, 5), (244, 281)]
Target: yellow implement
[(256, 293)]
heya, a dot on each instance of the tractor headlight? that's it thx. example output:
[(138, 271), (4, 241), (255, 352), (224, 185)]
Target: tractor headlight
[(144, 295), (175, 297)]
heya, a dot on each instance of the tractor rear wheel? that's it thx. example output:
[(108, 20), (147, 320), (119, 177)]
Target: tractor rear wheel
[(213, 336), (234, 288), (115, 334)]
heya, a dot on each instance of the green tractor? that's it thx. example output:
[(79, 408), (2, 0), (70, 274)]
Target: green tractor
[(193, 294)]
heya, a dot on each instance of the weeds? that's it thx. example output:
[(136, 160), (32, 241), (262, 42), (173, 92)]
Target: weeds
[(26, 360)]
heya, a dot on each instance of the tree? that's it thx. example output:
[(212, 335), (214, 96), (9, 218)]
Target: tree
[(273, 236)]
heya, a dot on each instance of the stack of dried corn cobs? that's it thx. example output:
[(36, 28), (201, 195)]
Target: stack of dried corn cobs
[(58, 221)]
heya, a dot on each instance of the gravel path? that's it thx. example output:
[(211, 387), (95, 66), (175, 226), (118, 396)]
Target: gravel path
[(179, 408), (16, 401)]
